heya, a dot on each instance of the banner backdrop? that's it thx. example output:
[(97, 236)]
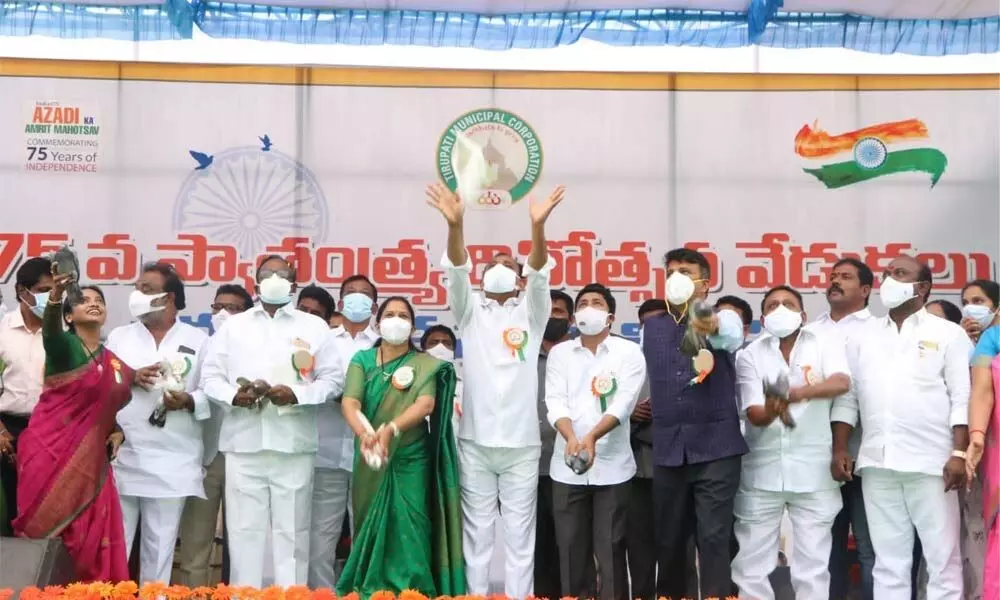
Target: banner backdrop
[(773, 177)]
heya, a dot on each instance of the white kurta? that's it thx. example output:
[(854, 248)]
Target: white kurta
[(157, 462)]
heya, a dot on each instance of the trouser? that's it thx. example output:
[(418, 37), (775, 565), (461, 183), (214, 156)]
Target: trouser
[(198, 527), (640, 541), (329, 505), (851, 519), (547, 579), (592, 520), (269, 491), (509, 475), (711, 489), (758, 531), (160, 518), (897, 502), (15, 424)]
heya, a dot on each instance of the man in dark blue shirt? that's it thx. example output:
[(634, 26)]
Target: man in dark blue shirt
[(697, 443)]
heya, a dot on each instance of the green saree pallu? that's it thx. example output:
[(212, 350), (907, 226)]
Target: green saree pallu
[(407, 515)]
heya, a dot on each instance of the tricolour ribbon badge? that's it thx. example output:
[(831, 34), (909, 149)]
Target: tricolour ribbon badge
[(303, 363), (603, 387), (403, 377), (515, 339), (703, 363), (117, 366)]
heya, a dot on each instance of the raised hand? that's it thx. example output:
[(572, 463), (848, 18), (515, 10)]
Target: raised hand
[(539, 211), (446, 202), (60, 281)]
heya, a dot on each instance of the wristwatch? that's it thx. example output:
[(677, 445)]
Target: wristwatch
[(958, 454)]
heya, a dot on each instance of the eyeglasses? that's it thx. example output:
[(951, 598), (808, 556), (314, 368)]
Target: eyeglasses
[(228, 307), (266, 273)]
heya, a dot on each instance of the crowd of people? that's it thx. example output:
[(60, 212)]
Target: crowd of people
[(616, 469)]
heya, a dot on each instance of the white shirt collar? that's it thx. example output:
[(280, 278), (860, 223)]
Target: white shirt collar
[(862, 315), (916, 318), (368, 332)]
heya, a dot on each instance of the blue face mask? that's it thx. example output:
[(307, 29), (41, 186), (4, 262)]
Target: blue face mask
[(357, 307), (41, 299)]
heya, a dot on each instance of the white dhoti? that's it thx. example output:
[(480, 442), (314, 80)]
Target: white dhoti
[(330, 502), (898, 502), (758, 524), (510, 476), (265, 488), (160, 518)]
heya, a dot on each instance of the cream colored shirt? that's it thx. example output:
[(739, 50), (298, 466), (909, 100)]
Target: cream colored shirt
[(23, 356)]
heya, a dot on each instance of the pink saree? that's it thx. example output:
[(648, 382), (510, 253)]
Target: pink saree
[(990, 469), (65, 484)]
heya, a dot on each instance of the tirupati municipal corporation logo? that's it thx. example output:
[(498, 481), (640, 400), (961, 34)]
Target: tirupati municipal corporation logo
[(501, 149), (251, 197)]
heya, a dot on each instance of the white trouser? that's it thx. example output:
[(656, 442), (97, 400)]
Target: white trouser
[(510, 475), (896, 503), (268, 488), (758, 523), (329, 505), (160, 519)]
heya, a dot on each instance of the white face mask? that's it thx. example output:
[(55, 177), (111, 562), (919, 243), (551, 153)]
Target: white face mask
[(782, 322), (894, 293), (499, 279), (442, 352), (680, 288), (219, 318), (979, 313), (591, 321), (395, 330), (275, 290), (140, 305)]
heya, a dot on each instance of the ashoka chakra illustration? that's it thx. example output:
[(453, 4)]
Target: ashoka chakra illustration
[(870, 153)]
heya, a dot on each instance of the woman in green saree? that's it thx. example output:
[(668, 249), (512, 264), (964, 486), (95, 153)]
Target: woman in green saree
[(407, 512)]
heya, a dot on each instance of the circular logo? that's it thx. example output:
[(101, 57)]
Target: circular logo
[(403, 377), (493, 152), (604, 384), (870, 153)]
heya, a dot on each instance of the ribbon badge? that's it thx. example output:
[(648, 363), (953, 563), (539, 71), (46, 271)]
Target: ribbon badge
[(303, 363), (117, 366), (515, 339), (181, 366), (810, 375), (703, 363), (403, 378), (603, 387)]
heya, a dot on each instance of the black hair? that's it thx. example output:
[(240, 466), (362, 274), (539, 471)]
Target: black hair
[(32, 271), (596, 288), (561, 296), (172, 283), (71, 301), (650, 305), (990, 288), (742, 305), (435, 329), (314, 292), (268, 259), (865, 274), (687, 255), (359, 277), (236, 290), (409, 309), (951, 312), (781, 288), (924, 274)]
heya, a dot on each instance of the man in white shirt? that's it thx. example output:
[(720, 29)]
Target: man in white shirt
[(160, 463), (499, 442), (270, 446), (851, 283), (911, 374), (200, 519), (22, 363), (335, 457), (592, 384), (786, 466)]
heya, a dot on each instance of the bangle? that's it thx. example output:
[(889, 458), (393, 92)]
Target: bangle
[(971, 431), (394, 428), (54, 302)]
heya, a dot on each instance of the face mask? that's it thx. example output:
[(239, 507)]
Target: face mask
[(680, 288), (499, 279), (41, 299), (395, 330), (556, 329), (894, 293), (140, 305), (275, 290), (782, 322), (978, 313), (591, 321), (357, 307), (442, 352), (219, 318)]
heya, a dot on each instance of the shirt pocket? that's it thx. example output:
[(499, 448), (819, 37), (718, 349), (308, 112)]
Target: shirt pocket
[(926, 360), (295, 364)]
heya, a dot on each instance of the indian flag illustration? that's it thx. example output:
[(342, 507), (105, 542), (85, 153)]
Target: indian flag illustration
[(871, 152)]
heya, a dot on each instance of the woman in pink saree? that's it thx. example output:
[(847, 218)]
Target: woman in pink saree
[(65, 484), (984, 446)]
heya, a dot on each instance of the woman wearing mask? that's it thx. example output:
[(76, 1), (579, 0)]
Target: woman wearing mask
[(72, 437), (405, 488), (981, 300)]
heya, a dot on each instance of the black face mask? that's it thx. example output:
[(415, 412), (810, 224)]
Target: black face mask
[(556, 329)]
